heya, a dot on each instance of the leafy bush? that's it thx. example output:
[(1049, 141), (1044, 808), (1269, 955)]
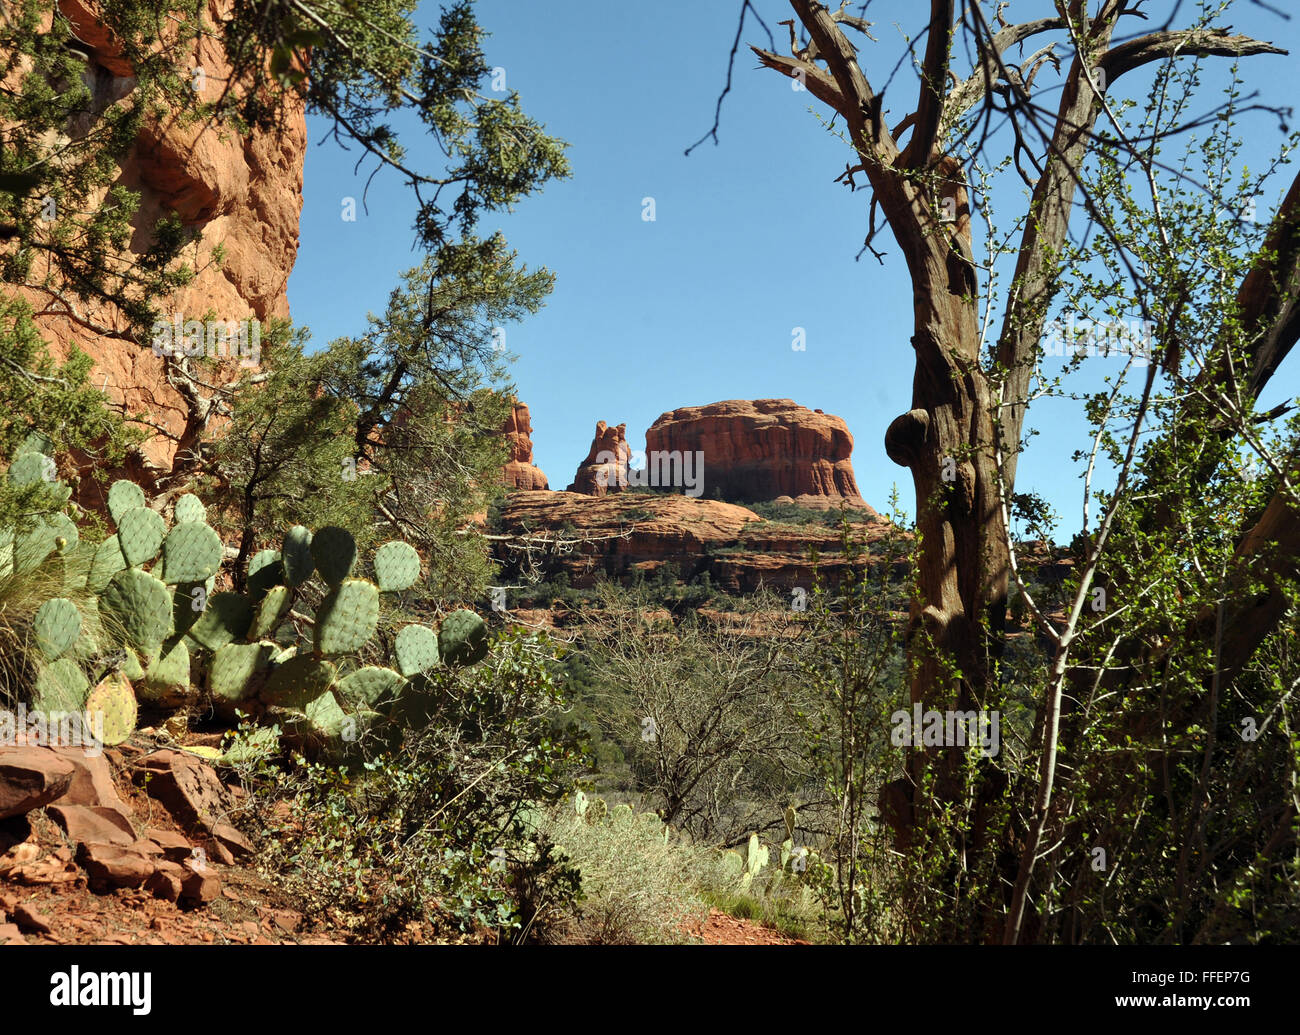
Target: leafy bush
[(434, 832)]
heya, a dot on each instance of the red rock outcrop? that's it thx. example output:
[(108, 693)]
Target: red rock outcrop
[(243, 193), (519, 471), (622, 534), (764, 449), (605, 469)]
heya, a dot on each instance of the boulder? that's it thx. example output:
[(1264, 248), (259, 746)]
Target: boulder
[(187, 787), (95, 824), (114, 866), (30, 778)]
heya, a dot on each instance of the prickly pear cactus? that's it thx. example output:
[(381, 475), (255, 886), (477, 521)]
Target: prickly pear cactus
[(57, 626), (347, 618), (189, 508), (140, 535), (61, 686), (334, 552), (397, 566), (113, 704), (416, 649), (462, 638), (297, 556), (140, 606), (192, 552)]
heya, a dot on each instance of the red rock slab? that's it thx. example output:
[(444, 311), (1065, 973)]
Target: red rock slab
[(30, 778)]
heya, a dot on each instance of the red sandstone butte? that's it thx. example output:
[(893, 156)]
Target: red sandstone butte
[(764, 449), (605, 468), (519, 471)]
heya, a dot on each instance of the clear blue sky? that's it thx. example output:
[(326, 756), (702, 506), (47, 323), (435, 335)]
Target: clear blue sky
[(752, 237)]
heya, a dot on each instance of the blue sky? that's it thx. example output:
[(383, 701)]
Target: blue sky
[(752, 238)]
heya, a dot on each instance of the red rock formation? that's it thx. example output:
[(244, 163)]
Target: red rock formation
[(243, 193), (519, 471), (763, 450), (630, 532), (605, 469)]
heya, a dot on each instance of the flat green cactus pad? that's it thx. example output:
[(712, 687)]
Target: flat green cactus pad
[(108, 562), (270, 612), (61, 687), (36, 442), (264, 571), (226, 619), (166, 679), (299, 680), (140, 535), (462, 639), (189, 601), (31, 469), (123, 496), (189, 508), (57, 626), (347, 618), (415, 649), (113, 704), (192, 552), (138, 607), (371, 686), (334, 552), (237, 668), (33, 549), (296, 555), (397, 566)]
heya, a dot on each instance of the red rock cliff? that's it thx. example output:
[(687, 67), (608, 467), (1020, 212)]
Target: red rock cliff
[(519, 471), (241, 192), (764, 449)]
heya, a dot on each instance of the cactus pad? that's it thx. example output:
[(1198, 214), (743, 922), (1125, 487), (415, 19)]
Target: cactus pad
[(140, 534), (192, 552), (166, 679), (299, 680), (264, 571), (33, 548), (113, 703), (61, 686), (107, 563), (270, 612), (138, 607), (397, 566), (416, 649), (371, 686), (462, 640), (296, 556), (123, 496), (31, 469), (235, 669), (57, 626), (36, 442), (334, 551), (189, 508), (225, 619), (347, 618)]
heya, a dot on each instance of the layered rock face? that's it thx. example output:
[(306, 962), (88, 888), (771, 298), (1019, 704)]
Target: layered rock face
[(626, 533), (605, 468), (243, 193), (763, 450), (519, 471)]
